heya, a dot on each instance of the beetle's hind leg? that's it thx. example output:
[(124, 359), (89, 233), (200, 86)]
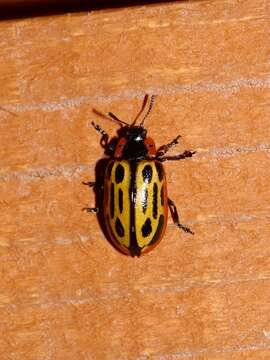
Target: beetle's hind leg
[(88, 209), (91, 210), (165, 148), (175, 217)]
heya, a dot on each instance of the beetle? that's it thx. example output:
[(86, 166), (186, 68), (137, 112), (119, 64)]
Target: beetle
[(134, 205)]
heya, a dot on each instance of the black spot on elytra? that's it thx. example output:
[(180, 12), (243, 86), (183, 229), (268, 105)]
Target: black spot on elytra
[(144, 200), (160, 170), (155, 200), (119, 228), (147, 228), (147, 174), (120, 200), (112, 201), (119, 174), (162, 195)]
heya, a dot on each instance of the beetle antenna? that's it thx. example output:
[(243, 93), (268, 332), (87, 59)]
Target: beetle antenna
[(149, 109), (142, 108), (116, 119)]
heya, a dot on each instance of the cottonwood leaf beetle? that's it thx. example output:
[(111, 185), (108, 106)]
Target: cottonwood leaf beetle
[(134, 205)]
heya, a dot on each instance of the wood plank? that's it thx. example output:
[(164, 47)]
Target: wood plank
[(214, 320), (73, 61), (65, 291)]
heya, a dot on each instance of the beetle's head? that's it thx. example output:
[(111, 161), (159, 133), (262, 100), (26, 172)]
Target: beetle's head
[(135, 134), (133, 142)]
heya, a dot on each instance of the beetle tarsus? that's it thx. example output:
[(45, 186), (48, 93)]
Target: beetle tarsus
[(91, 210), (89, 183), (165, 148), (185, 229), (185, 154), (175, 217), (105, 137), (98, 128)]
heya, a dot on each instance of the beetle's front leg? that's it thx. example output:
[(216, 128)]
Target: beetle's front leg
[(175, 217), (164, 148), (104, 138), (92, 184), (184, 155)]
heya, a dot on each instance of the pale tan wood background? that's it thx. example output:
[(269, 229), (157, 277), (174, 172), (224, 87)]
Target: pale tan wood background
[(65, 293)]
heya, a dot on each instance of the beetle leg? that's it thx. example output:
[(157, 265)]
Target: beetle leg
[(164, 148), (92, 184), (91, 210), (87, 209), (89, 183), (175, 217), (184, 155), (104, 138)]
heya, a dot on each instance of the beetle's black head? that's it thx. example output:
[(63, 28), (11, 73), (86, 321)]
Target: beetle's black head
[(134, 147), (135, 133)]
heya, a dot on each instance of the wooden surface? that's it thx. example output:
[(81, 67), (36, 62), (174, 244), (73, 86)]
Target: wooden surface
[(10, 9), (65, 292)]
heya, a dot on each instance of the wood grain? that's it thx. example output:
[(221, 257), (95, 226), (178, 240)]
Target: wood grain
[(66, 293)]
